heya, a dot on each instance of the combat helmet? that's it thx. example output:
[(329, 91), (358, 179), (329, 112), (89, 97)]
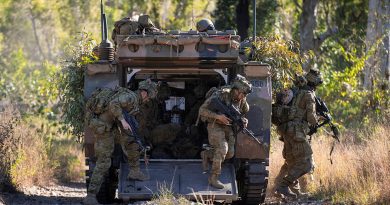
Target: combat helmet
[(242, 84), (204, 25), (149, 86), (164, 91), (314, 77), (300, 81)]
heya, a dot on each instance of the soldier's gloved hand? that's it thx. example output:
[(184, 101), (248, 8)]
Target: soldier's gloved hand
[(222, 119), (245, 121), (126, 125)]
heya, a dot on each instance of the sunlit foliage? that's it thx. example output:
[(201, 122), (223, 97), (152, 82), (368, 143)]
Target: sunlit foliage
[(283, 56), (70, 82)]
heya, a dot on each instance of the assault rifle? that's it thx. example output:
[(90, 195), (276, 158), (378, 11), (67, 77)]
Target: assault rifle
[(322, 110), (232, 113), (134, 130)]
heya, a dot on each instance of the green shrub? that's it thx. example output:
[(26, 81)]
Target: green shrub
[(70, 83)]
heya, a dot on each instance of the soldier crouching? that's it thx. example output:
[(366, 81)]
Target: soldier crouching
[(108, 126), (220, 133)]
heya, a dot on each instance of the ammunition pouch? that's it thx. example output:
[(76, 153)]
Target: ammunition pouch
[(99, 126), (295, 130), (282, 114)]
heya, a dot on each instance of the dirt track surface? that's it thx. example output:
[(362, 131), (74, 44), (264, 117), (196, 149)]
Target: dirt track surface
[(69, 194), (73, 194)]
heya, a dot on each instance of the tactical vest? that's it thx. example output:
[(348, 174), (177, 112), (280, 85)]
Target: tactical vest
[(280, 114), (296, 112)]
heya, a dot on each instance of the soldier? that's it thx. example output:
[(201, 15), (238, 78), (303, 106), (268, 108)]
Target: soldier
[(293, 129), (220, 133), (108, 126), (148, 115), (193, 102), (204, 25)]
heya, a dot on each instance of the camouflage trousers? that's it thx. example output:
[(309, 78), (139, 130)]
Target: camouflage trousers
[(222, 141), (298, 155), (104, 147), (283, 172)]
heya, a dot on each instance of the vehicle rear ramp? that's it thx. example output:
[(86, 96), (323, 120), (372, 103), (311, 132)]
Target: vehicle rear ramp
[(182, 177)]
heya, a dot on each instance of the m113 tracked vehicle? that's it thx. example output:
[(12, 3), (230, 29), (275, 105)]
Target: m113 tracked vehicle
[(182, 60)]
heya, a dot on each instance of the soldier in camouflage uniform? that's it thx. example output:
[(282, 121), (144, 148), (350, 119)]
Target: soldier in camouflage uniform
[(220, 134), (297, 151), (148, 115), (112, 128), (204, 25)]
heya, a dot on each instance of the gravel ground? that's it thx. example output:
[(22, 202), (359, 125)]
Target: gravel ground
[(73, 194)]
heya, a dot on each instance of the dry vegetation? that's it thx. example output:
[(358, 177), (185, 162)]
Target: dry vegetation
[(33, 152), (360, 172)]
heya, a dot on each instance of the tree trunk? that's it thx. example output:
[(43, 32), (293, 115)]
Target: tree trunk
[(242, 18), (385, 51), (36, 34), (371, 36), (307, 24)]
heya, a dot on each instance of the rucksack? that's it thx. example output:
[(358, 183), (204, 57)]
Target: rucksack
[(97, 104), (99, 100), (125, 26)]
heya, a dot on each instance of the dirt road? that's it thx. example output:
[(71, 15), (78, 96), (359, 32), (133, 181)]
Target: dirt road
[(73, 193), (69, 194)]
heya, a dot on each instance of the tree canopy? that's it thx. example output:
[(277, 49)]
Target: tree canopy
[(348, 46)]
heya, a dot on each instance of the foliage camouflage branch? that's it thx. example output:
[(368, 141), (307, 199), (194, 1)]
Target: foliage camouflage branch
[(71, 83)]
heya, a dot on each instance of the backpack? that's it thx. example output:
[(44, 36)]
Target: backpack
[(97, 104), (125, 26), (280, 114), (99, 100)]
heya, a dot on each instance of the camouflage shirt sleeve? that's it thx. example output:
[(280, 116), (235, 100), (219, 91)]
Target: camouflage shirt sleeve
[(205, 112), (124, 101), (311, 115), (244, 106)]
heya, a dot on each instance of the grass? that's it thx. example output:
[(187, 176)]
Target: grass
[(35, 152), (360, 172)]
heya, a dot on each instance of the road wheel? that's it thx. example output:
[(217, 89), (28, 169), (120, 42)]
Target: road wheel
[(252, 180)]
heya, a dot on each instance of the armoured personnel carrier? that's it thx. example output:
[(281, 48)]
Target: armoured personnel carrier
[(182, 60)]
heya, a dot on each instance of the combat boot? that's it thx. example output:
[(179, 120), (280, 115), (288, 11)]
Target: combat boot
[(213, 181), (205, 160), (298, 192), (136, 174), (90, 199), (285, 191)]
